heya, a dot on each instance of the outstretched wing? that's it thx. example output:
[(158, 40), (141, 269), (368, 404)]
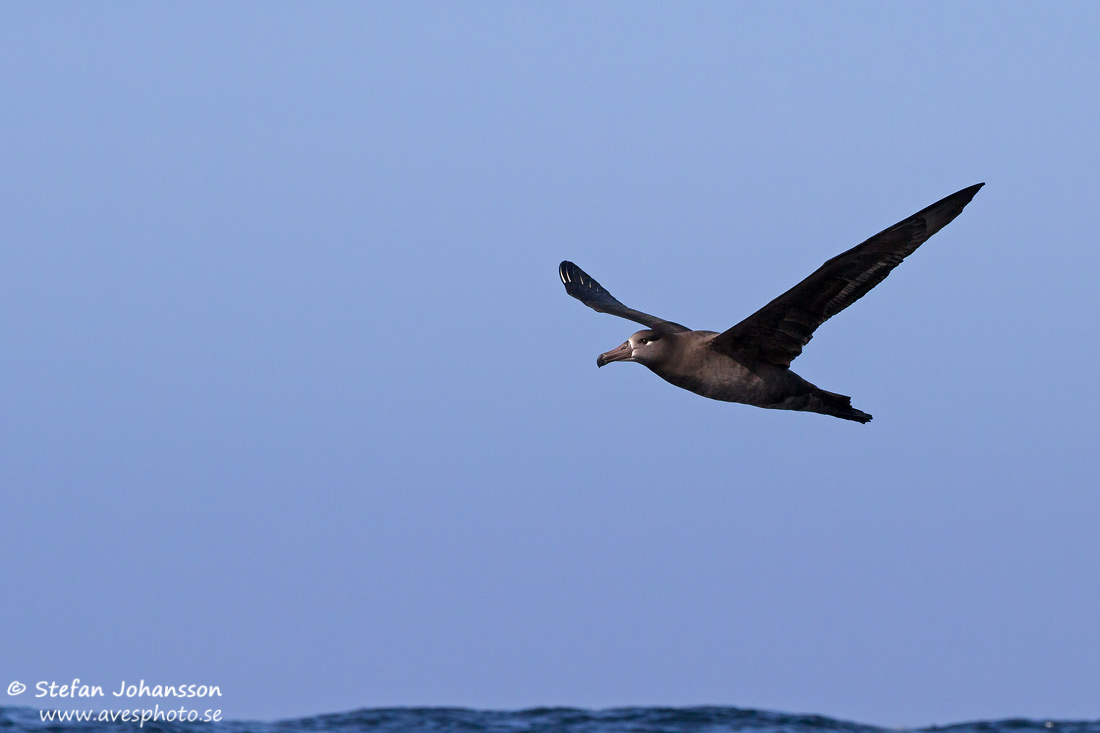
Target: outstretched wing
[(776, 333), (581, 286)]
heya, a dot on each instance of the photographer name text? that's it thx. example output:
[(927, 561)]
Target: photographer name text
[(78, 689)]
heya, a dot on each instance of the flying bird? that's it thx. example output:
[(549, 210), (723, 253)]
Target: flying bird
[(750, 363)]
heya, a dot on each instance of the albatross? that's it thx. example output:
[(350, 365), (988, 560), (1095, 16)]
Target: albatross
[(750, 363)]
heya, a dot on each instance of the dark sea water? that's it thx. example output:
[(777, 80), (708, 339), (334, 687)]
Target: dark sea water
[(565, 720)]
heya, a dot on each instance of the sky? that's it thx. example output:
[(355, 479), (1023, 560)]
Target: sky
[(292, 400)]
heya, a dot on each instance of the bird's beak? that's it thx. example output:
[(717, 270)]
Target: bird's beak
[(623, 353)]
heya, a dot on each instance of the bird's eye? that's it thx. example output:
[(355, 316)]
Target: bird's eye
[(645, 341)]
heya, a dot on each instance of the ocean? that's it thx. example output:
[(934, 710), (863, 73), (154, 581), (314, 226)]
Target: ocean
[(540, 720)]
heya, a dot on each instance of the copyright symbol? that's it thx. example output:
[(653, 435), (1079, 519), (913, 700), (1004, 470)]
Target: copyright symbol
[(16, 688)]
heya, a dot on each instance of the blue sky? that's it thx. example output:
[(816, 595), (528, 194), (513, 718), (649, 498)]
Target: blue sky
[(292, 400)]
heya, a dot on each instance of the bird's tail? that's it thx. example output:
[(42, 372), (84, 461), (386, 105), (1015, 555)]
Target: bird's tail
[(837, 405)]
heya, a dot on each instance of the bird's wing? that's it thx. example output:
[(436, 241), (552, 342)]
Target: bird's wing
[(776, 333), (581, 286)]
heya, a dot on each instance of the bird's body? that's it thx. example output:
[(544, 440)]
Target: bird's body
[(695, 365), (750, 363)]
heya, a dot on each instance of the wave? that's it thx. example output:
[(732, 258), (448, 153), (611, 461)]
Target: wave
[(709, 719)]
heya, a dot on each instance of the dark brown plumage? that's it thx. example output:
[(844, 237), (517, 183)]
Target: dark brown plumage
[(750, 362)]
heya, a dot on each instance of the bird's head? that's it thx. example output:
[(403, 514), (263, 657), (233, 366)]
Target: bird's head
[(644, 347)]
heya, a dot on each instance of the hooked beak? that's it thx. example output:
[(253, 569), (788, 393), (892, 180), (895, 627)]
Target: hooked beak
[(623, 353)]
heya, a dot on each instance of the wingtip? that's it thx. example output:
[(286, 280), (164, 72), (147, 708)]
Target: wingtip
[(970, 191), (565, 271), (947, 208), (574, 277)]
